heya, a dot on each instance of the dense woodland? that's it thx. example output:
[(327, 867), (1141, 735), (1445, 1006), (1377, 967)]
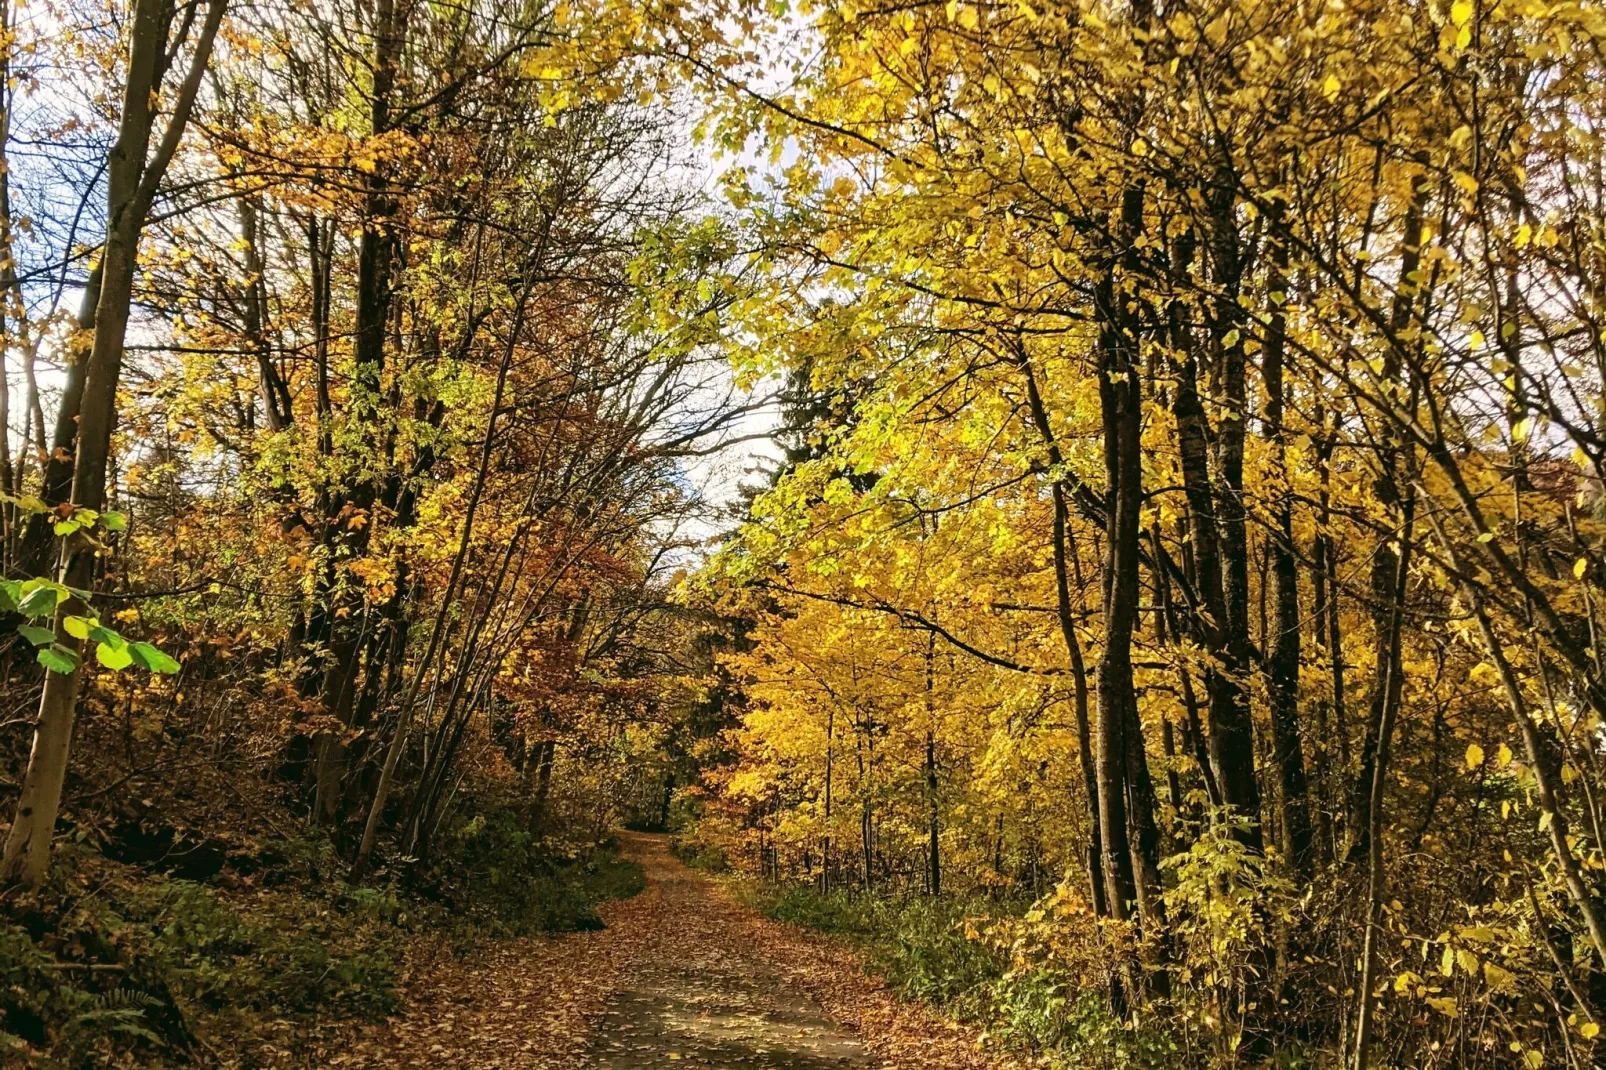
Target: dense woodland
[(1176, 582)]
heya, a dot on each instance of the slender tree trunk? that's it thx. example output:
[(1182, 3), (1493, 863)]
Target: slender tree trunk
[(353, 520), (271, 387), (1079, 699), (867, 841), (934, 841), (131, 185), (1066, 614), (13, 312), (36, 545), (1193, 735), (1230, 741), (1328, 627), (1120, 400), (1168, 742), (11, 294), (825, 839), (1376, 875), (1282, 665), (866, 830), (1385, 559), (1543, 761), (543, 782)]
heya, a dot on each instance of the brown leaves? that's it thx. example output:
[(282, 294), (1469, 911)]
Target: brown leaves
[(682, 973)]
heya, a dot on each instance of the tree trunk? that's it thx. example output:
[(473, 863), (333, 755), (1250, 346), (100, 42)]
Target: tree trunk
[(1120, 400), (1282, 665), (1230, 741), (543, 781), (1383, 733), (1385, 559), (12, 307), (353, 519), (1066, 615), (825, 840), (131, 185), (1231, 726), (934, 842)]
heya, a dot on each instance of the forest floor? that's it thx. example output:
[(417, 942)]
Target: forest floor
[(682, 975)]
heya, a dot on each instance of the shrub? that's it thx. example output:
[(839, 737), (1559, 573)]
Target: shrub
[(700, 844), (110, 963), (918, 943), (130, 965), (495, 877), (839, 913)]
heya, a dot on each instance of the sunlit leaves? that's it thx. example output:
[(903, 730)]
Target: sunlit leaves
[(39, 597), (149, 657), (114, 656)]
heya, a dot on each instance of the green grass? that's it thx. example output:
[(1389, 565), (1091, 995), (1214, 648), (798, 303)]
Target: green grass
[(916, 942), (919, 945)]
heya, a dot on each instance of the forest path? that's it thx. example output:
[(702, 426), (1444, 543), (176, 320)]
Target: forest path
[(704, 993), (682, 976)]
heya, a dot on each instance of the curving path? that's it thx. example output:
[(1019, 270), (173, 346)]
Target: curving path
[(682, 976)]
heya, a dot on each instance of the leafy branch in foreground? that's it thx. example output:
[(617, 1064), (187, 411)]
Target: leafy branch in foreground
[(39, 599)]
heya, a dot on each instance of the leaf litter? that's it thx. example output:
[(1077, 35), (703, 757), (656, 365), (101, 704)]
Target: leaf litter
[(681, 975)]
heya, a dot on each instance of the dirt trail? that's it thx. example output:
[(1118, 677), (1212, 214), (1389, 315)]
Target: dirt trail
[(702, 994), (683, 976)]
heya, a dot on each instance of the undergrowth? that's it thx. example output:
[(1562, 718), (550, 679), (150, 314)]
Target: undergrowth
[(929, 950), (700, 854), (110, 965)]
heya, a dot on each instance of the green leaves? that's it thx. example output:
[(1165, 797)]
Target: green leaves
[(58, 658), (39, 598), (111, 649), (27, 503), (150, 658), (36, 635), (69, 518), (112, 657)]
